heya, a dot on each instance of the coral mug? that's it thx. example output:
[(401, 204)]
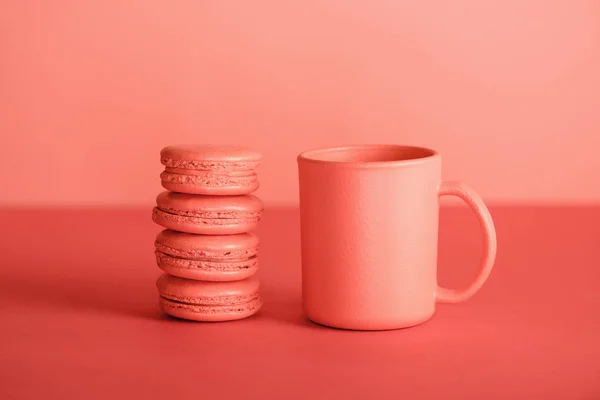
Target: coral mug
[(369, 236)]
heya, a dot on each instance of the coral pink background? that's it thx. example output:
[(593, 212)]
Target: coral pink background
[(90, 91)]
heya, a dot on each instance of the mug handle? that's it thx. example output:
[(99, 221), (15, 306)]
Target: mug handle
[(482, 213)]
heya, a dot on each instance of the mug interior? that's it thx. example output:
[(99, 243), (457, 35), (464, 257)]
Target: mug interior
[(368, 154)]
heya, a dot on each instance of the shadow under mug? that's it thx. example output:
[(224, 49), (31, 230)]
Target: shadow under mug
[(369, 219)]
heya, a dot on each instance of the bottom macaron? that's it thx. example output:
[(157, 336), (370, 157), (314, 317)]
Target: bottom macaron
[(208, 301)]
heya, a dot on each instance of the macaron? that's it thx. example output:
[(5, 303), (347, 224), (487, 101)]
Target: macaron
[(207, 215), (210, 169), (208, 301), (205, 257)]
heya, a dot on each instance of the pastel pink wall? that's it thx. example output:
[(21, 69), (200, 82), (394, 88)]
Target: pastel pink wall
[(90, 91)]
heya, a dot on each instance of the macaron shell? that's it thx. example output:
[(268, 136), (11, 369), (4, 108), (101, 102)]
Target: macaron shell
[(209, 169), (200, 292), (204, 156), (208, 301), (208, 258), (204, 226), (208, 215), (215, 205), (185, 244), (210, 184), (207, 271), (210, 314)]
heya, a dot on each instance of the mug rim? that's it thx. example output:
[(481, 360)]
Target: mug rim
[(310, 155)]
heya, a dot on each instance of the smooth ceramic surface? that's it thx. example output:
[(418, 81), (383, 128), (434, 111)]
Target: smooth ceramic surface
[(207, 257), (369, 222), (207, 215), (210, 169)]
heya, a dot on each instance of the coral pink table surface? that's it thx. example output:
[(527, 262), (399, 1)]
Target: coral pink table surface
[(79, 317)]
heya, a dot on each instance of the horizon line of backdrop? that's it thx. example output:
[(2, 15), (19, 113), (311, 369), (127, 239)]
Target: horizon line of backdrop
[(90, 92)]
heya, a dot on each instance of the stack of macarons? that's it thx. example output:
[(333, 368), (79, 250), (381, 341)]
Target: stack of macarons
[(207, 251)]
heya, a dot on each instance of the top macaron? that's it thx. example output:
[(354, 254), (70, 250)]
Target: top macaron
[(210, 169)]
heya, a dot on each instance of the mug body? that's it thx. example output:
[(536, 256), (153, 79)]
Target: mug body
[(369, 231)]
